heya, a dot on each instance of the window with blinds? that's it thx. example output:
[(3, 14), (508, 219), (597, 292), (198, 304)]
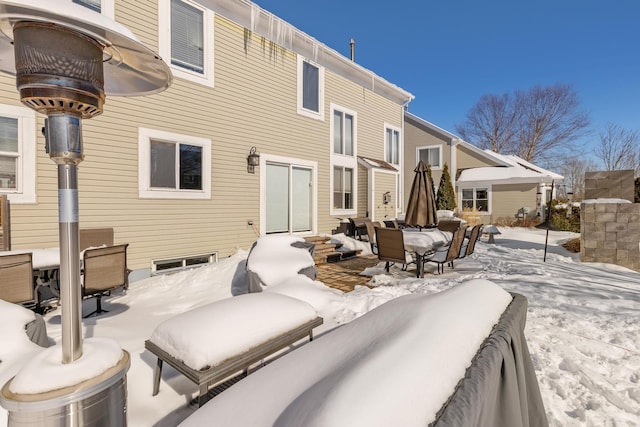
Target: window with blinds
[(187, 36), (95, 5), (9, 153)]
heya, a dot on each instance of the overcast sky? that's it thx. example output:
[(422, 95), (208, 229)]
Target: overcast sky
[(449, 53)]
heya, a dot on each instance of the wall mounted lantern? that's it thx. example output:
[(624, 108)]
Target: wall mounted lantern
[(253, 160)]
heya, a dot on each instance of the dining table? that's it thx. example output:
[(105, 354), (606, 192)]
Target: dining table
[(423, 242)]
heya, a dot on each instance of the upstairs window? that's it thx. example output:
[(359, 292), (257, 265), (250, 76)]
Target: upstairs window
[(187, 36), (392, 145), (94, 5), (105, 7), (342, 133), (310, 89), (431, 155), (186, 39)]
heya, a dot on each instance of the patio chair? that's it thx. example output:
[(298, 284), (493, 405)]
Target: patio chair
[(17, 285), (469, 244), (371, 233), (450, 225), (447, 254), (104, 269), (391, 249), (95, 237)]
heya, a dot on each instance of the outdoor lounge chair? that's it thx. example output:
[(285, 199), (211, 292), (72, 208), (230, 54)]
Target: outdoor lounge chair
[(104, 269), (391, 249), (447, 254), (17, 285)]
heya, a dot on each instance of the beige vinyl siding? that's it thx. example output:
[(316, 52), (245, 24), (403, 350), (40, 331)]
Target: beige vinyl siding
[(467, 158), (363, 192), (384, 182), (416, 136), (507, 199), (252, 103)]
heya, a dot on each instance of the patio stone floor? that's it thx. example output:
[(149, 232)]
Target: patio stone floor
[(345, 275)]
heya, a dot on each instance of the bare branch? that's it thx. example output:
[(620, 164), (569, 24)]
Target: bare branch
[(619, 148)]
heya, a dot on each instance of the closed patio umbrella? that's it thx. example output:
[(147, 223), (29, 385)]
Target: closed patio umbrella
[(421, 209)]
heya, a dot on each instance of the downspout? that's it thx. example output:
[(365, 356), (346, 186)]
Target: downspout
[(400, 195), (454, 166)]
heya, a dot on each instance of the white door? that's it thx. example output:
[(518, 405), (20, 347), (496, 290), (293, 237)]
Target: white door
[(288, 198)]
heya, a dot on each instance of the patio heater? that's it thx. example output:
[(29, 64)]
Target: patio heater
[(66, 58)]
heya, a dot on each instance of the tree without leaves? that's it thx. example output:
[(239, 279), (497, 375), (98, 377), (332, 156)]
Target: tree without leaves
[(491, 123), (533, 124), (573, 171), (549, 120), (619, 148)]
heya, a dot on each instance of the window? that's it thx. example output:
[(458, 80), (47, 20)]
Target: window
[(342, 188), (310, 89), (475, 198), (344, 162), (392, 145), (18, 153), (105, 7), (342, 133), (173, 166), (430, 155), (186, 39)]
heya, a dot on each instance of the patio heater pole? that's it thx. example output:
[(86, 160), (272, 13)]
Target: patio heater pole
[(64, 135), (65, 59), (546, 239), (59, 73)]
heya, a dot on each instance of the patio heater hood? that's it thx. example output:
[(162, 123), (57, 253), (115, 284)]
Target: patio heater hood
[(66, 58)]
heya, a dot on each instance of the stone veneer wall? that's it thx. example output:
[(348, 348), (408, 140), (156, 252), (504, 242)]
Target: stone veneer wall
[(610, 232)]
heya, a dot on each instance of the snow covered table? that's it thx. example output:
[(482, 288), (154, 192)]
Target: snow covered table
[(212, 342)]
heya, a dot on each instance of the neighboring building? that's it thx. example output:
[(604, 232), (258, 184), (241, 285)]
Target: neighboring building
[(169, 171), (496, 185)]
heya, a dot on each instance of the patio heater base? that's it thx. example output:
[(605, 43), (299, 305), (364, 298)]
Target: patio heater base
[(98, 401)]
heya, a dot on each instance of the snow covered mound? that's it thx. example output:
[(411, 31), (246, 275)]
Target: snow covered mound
[(395, 365)]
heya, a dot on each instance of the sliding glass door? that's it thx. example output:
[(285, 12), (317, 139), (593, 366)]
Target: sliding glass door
[(289, 198)]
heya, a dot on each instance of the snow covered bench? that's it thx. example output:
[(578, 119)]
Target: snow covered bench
[(212, 342)]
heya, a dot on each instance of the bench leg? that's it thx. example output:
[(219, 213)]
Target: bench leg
[(157, 373), (202, 398), (310, 335)]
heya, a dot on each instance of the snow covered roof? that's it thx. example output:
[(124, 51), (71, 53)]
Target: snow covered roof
[(370, 163), (517, 171)]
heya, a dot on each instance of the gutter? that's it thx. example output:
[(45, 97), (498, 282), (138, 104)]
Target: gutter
[(265, 24)]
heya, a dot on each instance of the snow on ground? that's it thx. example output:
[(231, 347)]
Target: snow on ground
[(582, 328)]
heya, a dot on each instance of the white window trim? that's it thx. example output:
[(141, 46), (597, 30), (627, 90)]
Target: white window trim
[(291, 161), (474, 187), (319, 115), (343, 160), (400, 143), (427, 147), (164, 43), (107, 7), (144, 152), (25, 192)]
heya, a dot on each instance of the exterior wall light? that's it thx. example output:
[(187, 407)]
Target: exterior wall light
[(253, 160)]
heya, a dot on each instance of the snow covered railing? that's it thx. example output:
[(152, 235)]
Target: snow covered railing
[(213, 342)]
